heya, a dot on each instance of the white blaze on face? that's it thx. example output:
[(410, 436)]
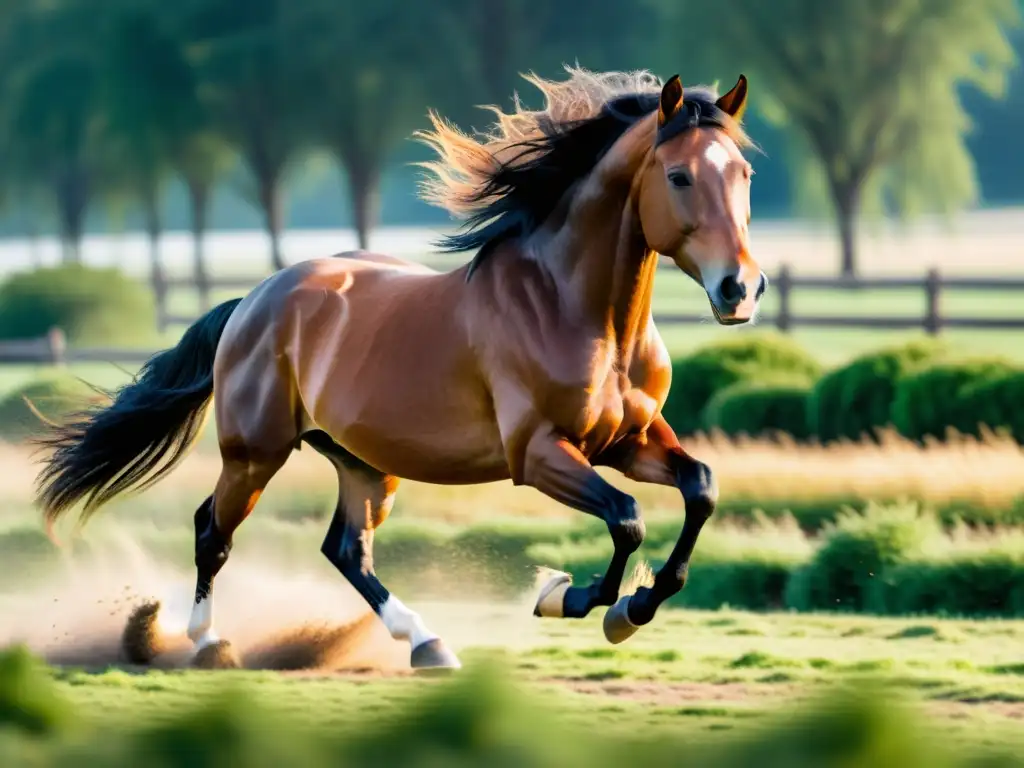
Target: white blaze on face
[(717, 155)]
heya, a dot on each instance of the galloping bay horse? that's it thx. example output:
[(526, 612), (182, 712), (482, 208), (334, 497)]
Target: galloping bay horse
[(536, 361)]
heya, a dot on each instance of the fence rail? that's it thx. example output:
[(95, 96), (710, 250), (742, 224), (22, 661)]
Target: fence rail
[(53, 348), (933, 285)]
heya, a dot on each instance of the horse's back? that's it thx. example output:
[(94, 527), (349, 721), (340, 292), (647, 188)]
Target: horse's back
[(383, 259)]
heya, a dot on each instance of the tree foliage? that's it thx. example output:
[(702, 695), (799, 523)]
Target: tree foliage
[(871, 91), (113, 100)]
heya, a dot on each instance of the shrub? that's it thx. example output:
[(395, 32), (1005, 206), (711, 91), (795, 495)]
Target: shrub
[(697, 377), (29, 700), (54, 396), (974, 584), (853, 553), (930, 401), (997, 403), (856, 399), (758, 408), (92, 306), (235, 728)]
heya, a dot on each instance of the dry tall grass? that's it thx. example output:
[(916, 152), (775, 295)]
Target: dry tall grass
[(986, 472)]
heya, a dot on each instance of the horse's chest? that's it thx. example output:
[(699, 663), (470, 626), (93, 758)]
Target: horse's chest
[(602, 411)]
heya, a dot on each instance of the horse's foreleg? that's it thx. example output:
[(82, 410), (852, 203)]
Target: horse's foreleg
[(365, 497), (559, 470), (662, 460)]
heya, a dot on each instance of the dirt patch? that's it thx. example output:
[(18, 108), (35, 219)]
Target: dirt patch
[(673, 694), (1013, 710)]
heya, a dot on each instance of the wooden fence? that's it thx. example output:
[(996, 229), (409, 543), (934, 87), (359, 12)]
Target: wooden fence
[(933, 285), (53, 349)]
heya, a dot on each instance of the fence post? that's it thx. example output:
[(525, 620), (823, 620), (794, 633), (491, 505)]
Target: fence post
[(56, 347), (783, 285), (933, 309)]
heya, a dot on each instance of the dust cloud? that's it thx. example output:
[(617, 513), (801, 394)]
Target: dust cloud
[(275, 618)]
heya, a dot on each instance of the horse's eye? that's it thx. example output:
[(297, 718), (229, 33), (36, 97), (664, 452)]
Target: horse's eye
[(679, 179)]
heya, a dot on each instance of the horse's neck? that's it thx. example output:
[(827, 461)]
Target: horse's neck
[(599, 256)]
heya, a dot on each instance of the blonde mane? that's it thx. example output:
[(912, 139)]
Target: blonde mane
[(467, 164), (504, 183)]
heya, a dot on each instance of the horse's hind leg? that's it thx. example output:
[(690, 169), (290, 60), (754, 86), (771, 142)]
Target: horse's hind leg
[(257, 433), (244, 476), (365, 497)]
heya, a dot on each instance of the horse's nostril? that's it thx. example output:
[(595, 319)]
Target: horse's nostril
[(732, 290), (762, 286)]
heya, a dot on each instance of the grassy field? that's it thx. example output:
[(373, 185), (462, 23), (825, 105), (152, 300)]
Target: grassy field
[(725, 686), (722, 686), (696, 671)]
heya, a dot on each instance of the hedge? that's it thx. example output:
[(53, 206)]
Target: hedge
[(997, 403), (697, 377), (759, 409), (92, 306), (935, 398), (759, 385), (855, 400)]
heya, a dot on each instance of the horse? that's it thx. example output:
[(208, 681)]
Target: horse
[(537, 361)]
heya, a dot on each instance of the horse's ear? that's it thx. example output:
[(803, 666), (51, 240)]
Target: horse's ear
[(735, 101), (671, 100)]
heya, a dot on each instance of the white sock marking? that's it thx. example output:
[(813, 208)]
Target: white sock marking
[(404, 623), (200, 624)]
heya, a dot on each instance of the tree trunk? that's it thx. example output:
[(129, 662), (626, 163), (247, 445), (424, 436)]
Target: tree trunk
[(273, 205), (72, 200), (364, 186), (32, 232), (151, 214), (494, 32), (199, 197), (846, 199)]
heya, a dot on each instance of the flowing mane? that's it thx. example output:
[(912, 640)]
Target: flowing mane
[(506, 182)]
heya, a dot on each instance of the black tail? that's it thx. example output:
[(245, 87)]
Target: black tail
[(142, 434)]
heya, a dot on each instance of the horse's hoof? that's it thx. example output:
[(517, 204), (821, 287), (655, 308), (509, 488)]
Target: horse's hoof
[(551, 601), (218, 655), (617, 626), (142, 641), (434, 656)]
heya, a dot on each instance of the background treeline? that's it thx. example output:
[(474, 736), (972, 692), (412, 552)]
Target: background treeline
[(278, 113)]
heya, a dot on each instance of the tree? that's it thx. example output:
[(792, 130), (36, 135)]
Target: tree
[(506, 37), (159, 120), (870, 89), (52, 122), (373, 69), (250, 74), (137, 75)]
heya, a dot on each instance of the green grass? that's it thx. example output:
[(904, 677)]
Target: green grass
[(701, 678)]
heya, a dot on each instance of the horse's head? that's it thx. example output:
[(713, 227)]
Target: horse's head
[(694, 198)]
